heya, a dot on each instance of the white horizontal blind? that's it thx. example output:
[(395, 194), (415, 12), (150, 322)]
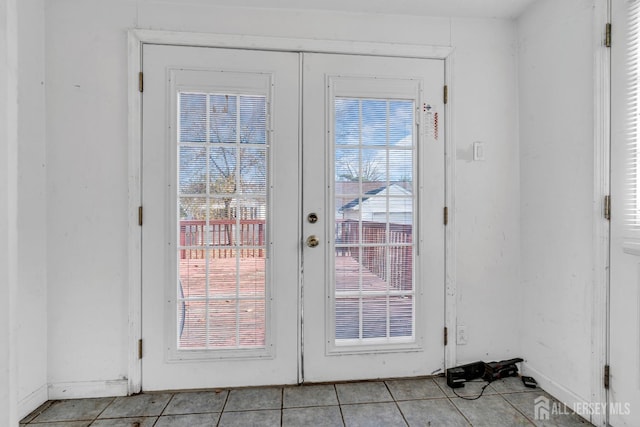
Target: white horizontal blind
[(632, 181), (222, 205), (374, 199)]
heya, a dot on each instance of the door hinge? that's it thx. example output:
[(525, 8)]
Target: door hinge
[(446, 336), (140, 216), (445, 94), (607, 208), (606, 376), (446, 215), (607, 35), (140, 348), (140, 82)]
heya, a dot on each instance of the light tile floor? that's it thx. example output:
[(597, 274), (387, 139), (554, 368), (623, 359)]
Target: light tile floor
[(399, 402)]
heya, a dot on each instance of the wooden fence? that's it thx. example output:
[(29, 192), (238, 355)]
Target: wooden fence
[(390, 258), (223, 238)]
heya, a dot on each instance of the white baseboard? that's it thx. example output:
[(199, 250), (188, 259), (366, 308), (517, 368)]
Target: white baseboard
[(31, 402), (83, 389), (561, 393)]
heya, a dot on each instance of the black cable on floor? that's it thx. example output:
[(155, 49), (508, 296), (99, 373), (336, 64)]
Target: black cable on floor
[(472, 398)]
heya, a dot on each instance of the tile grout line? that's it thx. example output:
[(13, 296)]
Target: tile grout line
[(453, 403), (396, 402), (38, 411), (173, 395), (514, 407), (166, 405), (282, 407), (101, 412), (335, 390), (224, 405), (158, 417)]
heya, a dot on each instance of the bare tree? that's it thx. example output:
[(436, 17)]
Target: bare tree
[(236, 161), (350, 169)]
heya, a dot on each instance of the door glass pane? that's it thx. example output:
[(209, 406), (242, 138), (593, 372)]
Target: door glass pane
[(222, 201), (374, 167)]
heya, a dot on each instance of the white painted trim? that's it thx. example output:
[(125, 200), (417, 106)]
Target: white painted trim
[(601, 187), (561, 393), (137, 38), (299, 259), (9, 193), (291, 45), (451, 294), (87, 389), (33, 401), (135, 200)]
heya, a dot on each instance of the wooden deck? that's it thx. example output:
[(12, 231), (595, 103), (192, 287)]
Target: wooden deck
[(229, 306), (237, 314)]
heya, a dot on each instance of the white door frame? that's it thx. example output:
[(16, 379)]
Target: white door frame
[(136, 40), (601, 187)]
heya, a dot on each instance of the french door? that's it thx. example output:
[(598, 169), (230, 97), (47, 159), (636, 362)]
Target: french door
[(220, 197), (243, 282), (373, 169)]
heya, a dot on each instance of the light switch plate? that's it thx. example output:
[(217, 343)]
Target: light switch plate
[(478, 151)]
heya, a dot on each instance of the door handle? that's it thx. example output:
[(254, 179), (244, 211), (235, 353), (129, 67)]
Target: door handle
[(313, 241)]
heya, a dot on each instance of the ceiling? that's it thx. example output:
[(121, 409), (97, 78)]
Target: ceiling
[(442, 8)]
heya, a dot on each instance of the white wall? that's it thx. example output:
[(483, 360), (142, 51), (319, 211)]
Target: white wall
[(86, 104), (86, 192), (556, 78), (8, 212), (32, 209), (487, 209)]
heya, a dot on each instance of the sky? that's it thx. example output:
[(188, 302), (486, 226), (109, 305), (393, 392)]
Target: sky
[(373, 139)]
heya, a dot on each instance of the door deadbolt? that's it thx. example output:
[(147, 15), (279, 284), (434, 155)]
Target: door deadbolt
[(312, 218), (312, 241)]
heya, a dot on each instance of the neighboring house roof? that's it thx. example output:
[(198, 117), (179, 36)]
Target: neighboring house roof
[(355, 203), (353, 187), (346, 191)]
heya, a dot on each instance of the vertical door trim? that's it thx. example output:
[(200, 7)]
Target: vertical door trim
[(601, 187), (134, 44), (136, 40), (450, 294), (300, 223)]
